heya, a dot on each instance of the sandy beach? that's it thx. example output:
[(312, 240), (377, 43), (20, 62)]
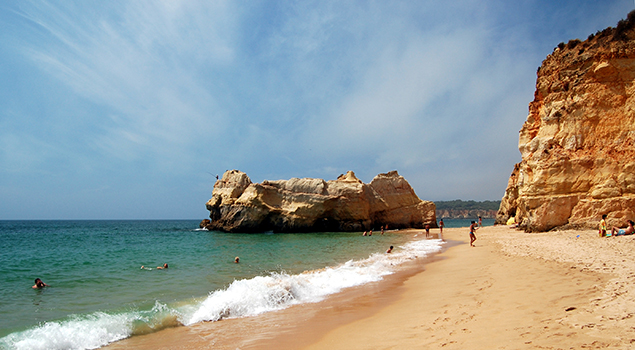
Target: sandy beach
[(513, 290), (560, 290)]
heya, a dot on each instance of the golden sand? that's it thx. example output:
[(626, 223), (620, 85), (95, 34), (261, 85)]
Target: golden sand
[(513, 290)]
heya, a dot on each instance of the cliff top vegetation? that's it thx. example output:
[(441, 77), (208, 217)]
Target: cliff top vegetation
[(458, 204)]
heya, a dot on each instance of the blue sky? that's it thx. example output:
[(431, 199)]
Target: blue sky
[(126, 109)]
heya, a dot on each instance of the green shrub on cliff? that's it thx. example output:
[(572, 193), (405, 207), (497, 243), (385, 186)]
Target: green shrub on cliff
[(458, 204)]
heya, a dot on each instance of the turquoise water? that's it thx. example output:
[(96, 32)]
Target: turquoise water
[(98, 292)]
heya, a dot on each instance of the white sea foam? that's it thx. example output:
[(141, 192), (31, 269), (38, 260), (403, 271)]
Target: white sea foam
[(247, 297), (90, 331)]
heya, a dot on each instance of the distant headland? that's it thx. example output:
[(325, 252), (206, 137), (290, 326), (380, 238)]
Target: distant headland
[(460, 209)]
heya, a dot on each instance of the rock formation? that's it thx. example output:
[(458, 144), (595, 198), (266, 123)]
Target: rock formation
[(313, 205), (578, 142)]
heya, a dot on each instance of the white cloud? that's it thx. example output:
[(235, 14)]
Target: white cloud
[(166, 89), (141, 62)]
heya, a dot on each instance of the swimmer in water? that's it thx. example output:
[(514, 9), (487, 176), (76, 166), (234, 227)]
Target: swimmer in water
[(39, 284), (389, 250), (165, 266), (237, 260)]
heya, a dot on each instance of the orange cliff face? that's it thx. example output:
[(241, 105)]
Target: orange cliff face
[(578, 142)]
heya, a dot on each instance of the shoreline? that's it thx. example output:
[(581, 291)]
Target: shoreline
[(560, 290), (272, 329), (565, 289)]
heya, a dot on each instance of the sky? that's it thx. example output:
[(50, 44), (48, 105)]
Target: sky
[(129, 109)]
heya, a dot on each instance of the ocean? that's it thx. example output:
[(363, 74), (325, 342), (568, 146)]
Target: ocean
[(98, 293)]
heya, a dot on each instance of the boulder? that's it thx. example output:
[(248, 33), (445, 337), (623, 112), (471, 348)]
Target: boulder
[(204, 223), (316, 205)]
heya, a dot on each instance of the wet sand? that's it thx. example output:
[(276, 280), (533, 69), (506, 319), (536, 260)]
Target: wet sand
[(560, 290)]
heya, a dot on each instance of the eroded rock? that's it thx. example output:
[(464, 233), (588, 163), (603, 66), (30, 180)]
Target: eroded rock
[(302, 205), (578, 142)]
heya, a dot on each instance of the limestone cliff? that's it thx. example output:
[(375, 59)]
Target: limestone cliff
[(302, 205), (578, 142)]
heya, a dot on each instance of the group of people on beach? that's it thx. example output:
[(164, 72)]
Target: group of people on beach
[(603, 232), (370, 233), (426, 227)]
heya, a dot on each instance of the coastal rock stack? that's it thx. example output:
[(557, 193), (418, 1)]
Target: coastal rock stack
[(314, 205), (578, 142)]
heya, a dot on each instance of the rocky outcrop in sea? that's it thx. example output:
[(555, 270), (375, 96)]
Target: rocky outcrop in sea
[(578, 142), (316, 205)]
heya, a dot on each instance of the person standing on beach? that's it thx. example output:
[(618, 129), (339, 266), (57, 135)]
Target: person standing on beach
[(427, 230), (473, 229), (603, 226), (480, 222), (441, 226)]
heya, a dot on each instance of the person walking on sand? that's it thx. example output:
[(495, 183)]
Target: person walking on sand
[(39, 284), (473, 229), (480, 222), (603, 226)]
